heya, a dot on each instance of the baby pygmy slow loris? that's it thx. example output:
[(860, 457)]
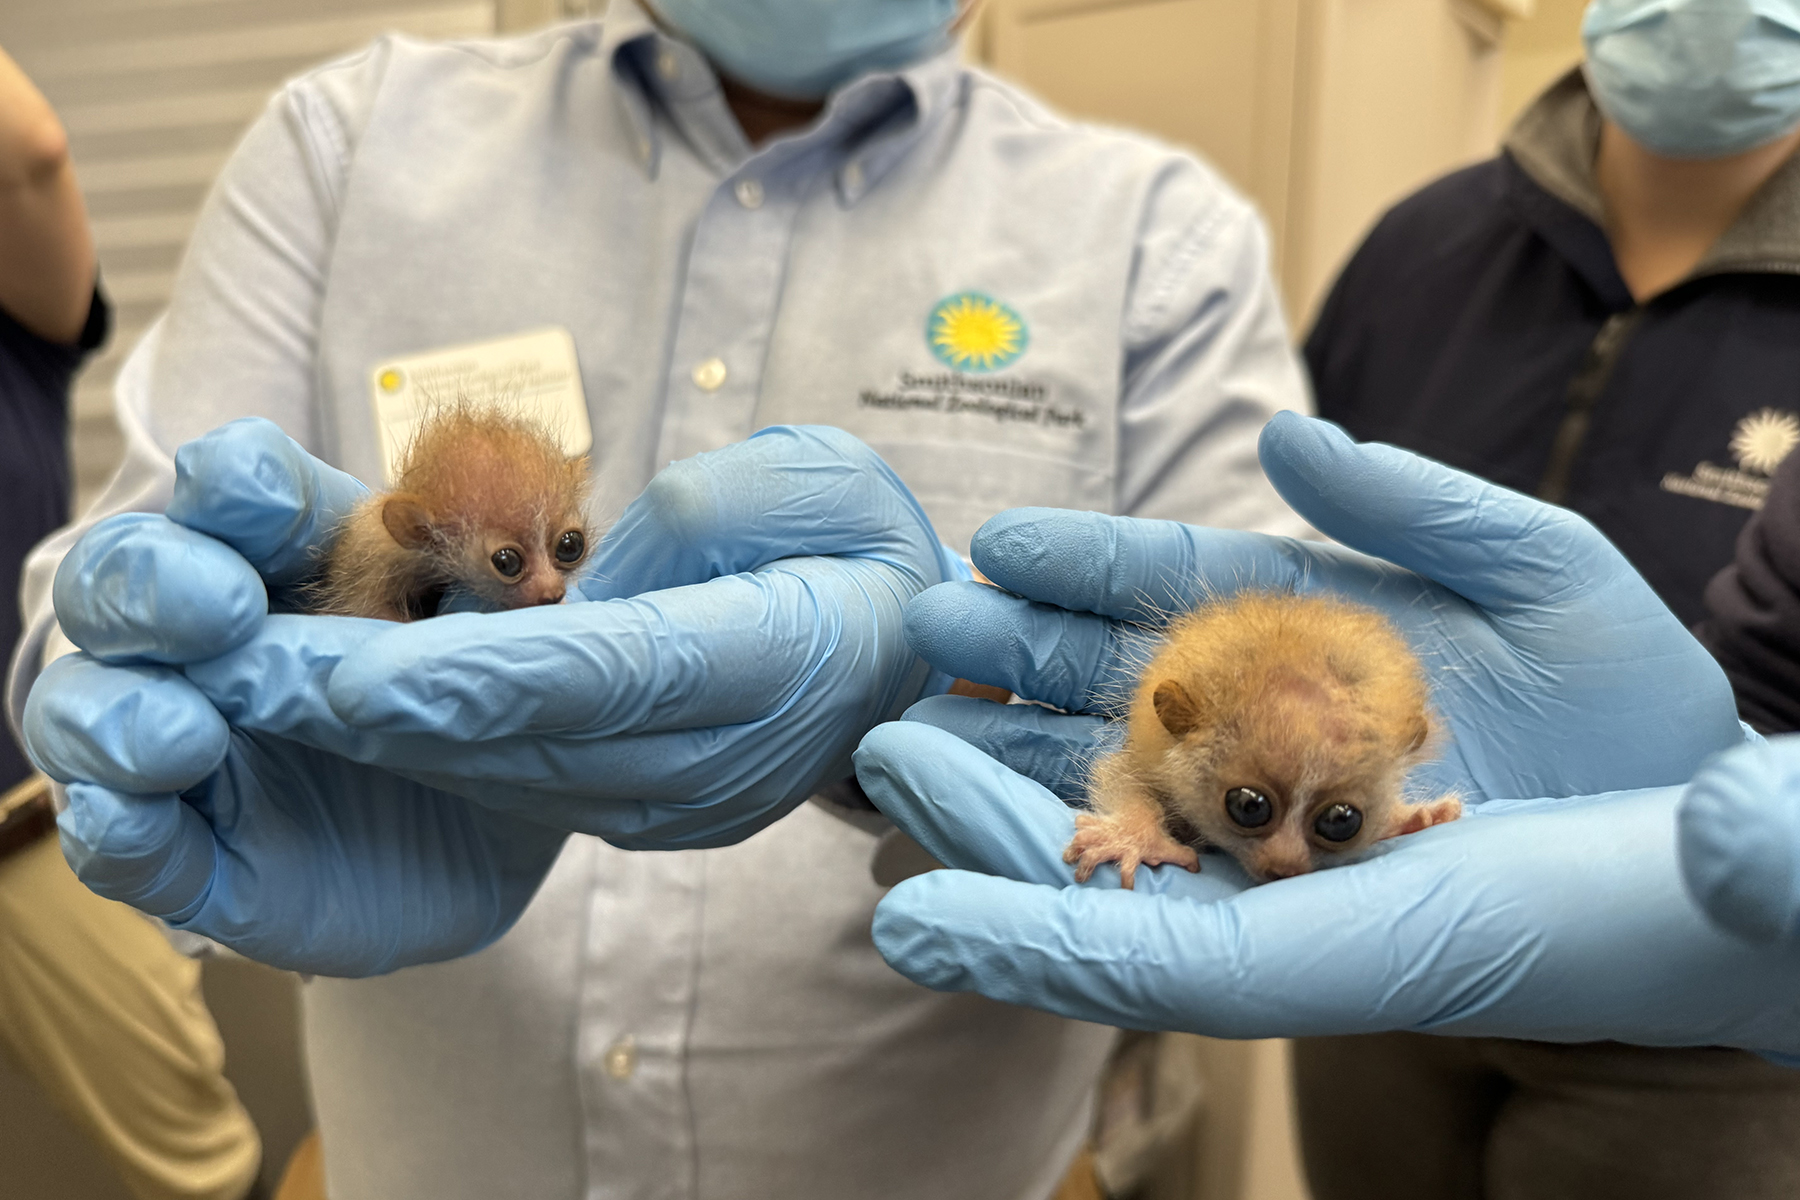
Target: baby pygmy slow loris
[(1276, 727)]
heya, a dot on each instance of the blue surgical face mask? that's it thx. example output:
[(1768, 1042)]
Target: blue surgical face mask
[(805, 48), (1696, 78)]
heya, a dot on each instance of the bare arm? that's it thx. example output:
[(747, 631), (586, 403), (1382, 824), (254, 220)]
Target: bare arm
[(46, 249)]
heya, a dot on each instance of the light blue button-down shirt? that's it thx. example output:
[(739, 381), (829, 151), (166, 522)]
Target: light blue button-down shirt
[(1010, 308)]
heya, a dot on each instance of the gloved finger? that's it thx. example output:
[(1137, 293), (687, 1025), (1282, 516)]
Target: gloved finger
[(719, 653), (138, 587), (971, 813), (1140, 572), (133, 728), (787, 491), (254, 488), (649, 792), (1446, 525), (1130, 569), (1739, 836), (1485, 926), (964, 808), (1053, 749), (152, 852), (1072, 660), (629, 788), (1226, 969)]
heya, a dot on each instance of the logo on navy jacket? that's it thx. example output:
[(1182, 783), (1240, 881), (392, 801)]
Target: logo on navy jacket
[(1759, 443), (977, 338)]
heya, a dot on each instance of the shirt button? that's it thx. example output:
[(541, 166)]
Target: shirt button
[(749, 193), (668, 66), (853, 177), (709, 376), (621, 1058)]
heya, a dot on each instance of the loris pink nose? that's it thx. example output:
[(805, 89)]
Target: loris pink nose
[(532, 594), (1286, 869)]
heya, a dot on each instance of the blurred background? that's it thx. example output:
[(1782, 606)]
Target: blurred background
[(1323, 111)]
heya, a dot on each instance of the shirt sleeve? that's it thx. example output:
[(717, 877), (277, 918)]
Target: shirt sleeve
[(240, 335), (1752, 622), (1207, 361)]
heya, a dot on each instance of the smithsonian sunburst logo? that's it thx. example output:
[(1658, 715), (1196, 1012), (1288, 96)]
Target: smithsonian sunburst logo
[(974, 332)]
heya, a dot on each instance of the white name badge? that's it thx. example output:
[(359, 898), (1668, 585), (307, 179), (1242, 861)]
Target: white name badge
[(533, 375)]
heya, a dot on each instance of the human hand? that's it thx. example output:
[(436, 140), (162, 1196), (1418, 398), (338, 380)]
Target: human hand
[(1559, 920), (1555, 668), (291, 856), (1557, 673), (656, 715), (737, 633)]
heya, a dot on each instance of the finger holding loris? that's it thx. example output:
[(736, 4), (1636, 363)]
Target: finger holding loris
[(1555, 920), (718, 653), (1054, 750)]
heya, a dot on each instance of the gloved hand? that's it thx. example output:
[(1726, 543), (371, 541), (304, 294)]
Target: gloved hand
[(1560, 920), (1554, 667), (291, 856), (1557, 672), (1740, 841), (693, 716), (738, 631)]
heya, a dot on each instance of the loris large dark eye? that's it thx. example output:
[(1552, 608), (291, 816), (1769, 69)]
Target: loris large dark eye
[(508, 562), (1339, 823), (1248, 807), (570, 546)]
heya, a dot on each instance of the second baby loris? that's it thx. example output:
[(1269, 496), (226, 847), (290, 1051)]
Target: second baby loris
[(1278, 728)]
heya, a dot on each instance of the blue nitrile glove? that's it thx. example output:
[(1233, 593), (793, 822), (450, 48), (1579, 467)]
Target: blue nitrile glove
[(1740, 841), (1557, 672), (1555, 668), (736, 633), (1561, 920), (694, 716), (288, 855)]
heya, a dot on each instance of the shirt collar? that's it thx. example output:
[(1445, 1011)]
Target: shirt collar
[(880, 117), (626, 25), (867, 127)]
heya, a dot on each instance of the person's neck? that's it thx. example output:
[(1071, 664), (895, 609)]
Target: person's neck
[(762, 116), (1663, 214)]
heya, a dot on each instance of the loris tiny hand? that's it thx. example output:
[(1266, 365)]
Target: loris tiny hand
[(1562, 920), (1555, 668)]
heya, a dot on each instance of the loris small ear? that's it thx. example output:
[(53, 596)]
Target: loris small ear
[(1175, 708), (1418, 732), (407, 522)]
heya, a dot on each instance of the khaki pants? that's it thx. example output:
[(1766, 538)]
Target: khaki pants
[(1410, 1117), (100, 1010)]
